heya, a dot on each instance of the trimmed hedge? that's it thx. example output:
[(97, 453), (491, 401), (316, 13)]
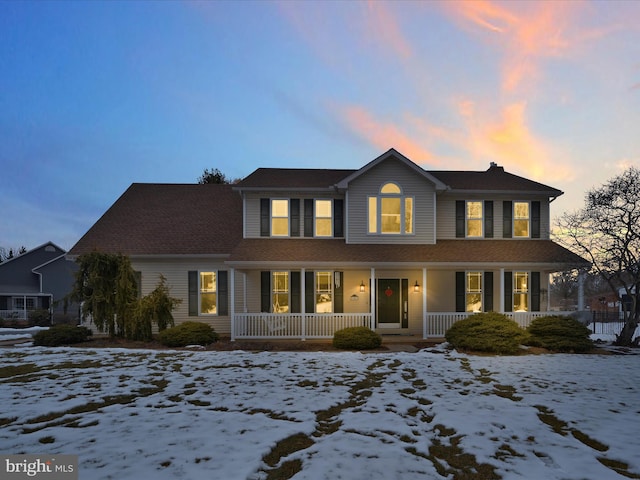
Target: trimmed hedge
[(560, 334), (188, 333), (59, 335), (487, 332), (356, 338)]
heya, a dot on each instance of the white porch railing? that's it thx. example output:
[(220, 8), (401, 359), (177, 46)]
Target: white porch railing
[(438, 323), (295, 325), (21, 314)]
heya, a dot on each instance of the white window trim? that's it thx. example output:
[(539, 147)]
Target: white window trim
[(467, 292), (315, 217), (402, 198), (527, 292), (466, 218), (331, 288), (513, 219), (288, 217), (200, 292), (273, 292)]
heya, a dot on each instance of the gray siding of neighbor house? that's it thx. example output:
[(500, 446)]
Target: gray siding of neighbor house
[(16, 275), (412, 185), (58, 277), (446, 215), (252, 208)]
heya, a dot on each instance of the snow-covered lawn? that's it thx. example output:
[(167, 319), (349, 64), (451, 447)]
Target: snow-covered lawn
[(323, 415)]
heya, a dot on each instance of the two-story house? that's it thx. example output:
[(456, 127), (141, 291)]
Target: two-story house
[(304, 252)]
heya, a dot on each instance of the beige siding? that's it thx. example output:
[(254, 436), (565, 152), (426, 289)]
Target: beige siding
[(176, 274), (412, 184)]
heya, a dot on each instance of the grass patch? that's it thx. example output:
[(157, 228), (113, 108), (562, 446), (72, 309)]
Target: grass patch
[(285, 471), (47, 439), (621, 468), (588, 441), (286, 447)]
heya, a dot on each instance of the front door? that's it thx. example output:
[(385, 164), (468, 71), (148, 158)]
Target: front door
[(389, 303)]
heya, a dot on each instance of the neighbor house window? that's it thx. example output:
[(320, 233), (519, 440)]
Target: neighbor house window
[(324, 292), (474, 219), (391, 212), (279, 218), (20, 303), (520, 291), (280, 292), (521, 219), (324, 222), (208, 293), (473, 292)]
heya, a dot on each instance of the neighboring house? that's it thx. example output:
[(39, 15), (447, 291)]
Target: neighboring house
[(37, 279), (304, 252)]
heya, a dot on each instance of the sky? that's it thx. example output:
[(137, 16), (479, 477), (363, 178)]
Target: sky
[(132, 414), (97, 95)]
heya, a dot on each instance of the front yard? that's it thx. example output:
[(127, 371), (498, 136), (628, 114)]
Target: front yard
[(316, 415)]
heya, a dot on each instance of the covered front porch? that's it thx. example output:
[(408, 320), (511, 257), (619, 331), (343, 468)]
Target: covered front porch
[(419, 302)]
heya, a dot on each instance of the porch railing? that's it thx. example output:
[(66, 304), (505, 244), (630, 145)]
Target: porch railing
[(295, 325), (21, 314)]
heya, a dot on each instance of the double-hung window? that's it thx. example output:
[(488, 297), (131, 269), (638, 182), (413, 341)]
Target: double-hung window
[(323, 218), (520, 291), (279, 218), (391, 212), (22, 303), (208, 293), (280, 292), (473, 292), (474, 219), (324, 292), (521, 219)]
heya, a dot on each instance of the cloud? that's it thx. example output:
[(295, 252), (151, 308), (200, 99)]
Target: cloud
[(383, 135), (506, 138)]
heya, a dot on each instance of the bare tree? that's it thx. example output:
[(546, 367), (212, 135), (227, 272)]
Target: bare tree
[(607, 232)]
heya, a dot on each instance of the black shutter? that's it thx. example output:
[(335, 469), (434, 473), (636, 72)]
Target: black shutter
[(3, 303), (338, 293), (338, 218), (223, 293), (535, 219), (265, 220), (461, 304), (508, 291), (294, 290), (294, 217), (138, 275), (488, 219), (507, 222), (308, 217), (488, 291), (265, 291), (193, 293), (309, 293), (405, 303), (535, 291), (460, 219)]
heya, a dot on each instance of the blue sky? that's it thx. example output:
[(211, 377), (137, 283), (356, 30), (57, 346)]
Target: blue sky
[(97, 95)]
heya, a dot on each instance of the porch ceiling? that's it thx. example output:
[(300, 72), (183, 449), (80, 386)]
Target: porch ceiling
[(499, 252)]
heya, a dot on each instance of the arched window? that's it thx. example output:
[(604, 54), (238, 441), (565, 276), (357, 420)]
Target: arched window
[(391, 212)]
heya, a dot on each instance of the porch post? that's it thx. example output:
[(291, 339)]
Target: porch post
[(372, 299), (24, 307), (425, 332), (303, 303), (502, 290), (232, 301)]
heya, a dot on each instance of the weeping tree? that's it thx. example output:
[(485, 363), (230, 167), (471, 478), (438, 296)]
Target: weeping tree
[(607, 232), (107, 287)]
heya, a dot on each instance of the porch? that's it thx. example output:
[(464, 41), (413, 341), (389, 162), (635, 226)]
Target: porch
[(323, 326)]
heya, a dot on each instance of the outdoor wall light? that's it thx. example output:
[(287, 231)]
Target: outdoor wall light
[(416, 287), (362, 286)]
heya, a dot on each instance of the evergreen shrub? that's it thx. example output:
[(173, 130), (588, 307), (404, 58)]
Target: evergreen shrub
[(59, 335), (560, 334), (356, 338), (188, 333), (486, 332)]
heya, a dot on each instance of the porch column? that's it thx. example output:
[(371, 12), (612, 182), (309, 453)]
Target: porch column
[(372, 299), (502, 290), (303, 303), (232, 301), (24, 307), (581, 277), (425, 331)]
